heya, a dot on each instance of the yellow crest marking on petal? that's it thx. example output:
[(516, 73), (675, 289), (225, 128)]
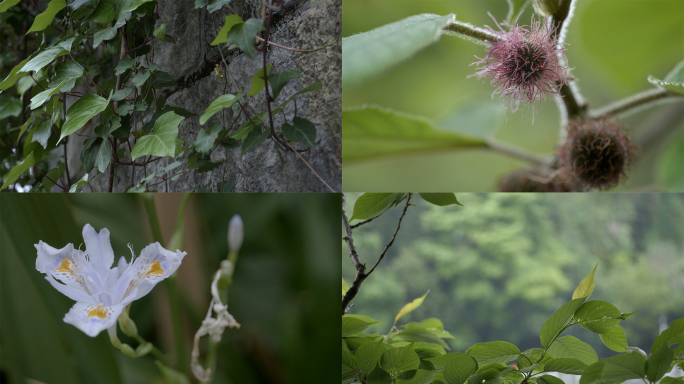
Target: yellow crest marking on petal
[(155, 269), (100, 312), (65, 267)]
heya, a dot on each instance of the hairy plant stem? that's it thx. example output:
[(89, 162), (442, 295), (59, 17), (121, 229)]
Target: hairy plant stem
[(517, 152), (572, 107), (472, 31), (560, 17), (633, 102), (361, 273)]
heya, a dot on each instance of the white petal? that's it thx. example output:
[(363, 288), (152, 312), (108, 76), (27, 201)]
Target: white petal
[(71, 292), (154, 265), (99, 249), (93, 319), (49, 258), (122, 265)]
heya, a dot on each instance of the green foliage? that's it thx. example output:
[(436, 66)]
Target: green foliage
[(162, 140), (301, 130), (44, 19)]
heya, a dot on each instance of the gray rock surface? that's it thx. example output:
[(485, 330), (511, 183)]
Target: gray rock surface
[(191, 62)]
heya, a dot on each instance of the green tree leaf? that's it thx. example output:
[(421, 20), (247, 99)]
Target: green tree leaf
[(353, 324), (585, 287), (368, 355), (42, 132), (672, 335), (14, 75), (347, 357), (659, 363), (121, 94), (440, 362), (565, 365), (399, 359), (378, 376), (44, 58), (598, 316), (5, 5), (104, 12), (123, 65), (225, 186), (231, 20), (44, 19), (572, 347), (558, 321), (279, 80), (624, 367), (408, 308), (418, 376), (44, 96), (548, 379), (500, 352), (81, 112), (205, 138), (68, 73), (441, 199), (673, 82), (369, 54), (371, 132), (140, 78), (162, 140), (124, 6), (254, 139), (160, 32), (97, 152), (459, 369), (372, 204), (9, 106), (223, 101), (301, 130), (615, 339), (78, 184), (18, 169), (310, 88), (420, 334), (244, 35), (258, 82)]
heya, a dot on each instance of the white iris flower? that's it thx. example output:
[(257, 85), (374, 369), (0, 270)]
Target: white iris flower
[(100, 291)]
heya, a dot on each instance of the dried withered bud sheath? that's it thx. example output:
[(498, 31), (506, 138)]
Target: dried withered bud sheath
[(596, 152), (526, 180)]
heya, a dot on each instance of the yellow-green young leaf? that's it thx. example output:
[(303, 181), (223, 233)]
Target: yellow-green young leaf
[(223, 33), (162, 141), (81, 112), (345, 286), (223, 101), (408, 308), (44, 19), (160, 32), (586, 286), (258, 82), (371, 132), (5, 5), (244, 35), (20, 168)]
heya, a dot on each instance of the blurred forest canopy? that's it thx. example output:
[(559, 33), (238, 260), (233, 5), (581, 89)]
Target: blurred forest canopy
[(499, 266)]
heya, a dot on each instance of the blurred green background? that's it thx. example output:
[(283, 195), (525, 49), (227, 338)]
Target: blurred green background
[(285, 290), (612, 45), (499, 266)]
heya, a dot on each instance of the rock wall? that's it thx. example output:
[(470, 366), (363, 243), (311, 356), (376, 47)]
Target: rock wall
[(191, 63)]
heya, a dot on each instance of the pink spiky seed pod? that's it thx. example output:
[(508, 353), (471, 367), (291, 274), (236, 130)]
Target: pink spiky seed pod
[(596, 152), (525, 65), (527, 180)]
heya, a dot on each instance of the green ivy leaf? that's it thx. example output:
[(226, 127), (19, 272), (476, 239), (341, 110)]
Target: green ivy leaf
[(367, 55), (558, 321), (9, 106), (372, 204), (310, 88), (162, 141), (44, 19), (572, 347), (225, 186), (124, 64), (81, 112), (254, 139), (459, 369), (160, 32), (44, 96), (42, 132), (97, 152), (279, 80), (5, 5), (258, 82), (18, 169), (500, 352), (68, 73), (231, 21), (140, 78), (221, 102), (109, 33), (371, 132), (205, 139), (44, 58), (598, 316), (301, 130), (121, 94), (440, 199), (244, 35)]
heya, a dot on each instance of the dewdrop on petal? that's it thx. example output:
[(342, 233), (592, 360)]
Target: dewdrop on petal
[(235, 234)]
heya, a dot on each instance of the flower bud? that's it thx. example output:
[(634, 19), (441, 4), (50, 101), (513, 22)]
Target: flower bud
[(596, 153), (127, 325), (235, 234), (143, 349), (127, 350), (546, 7)]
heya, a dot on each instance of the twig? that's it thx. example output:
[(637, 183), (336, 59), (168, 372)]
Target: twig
[(361, 274), (472, 31), (517, 152), (308, 165), (633, 103), (298, 50), (560, 17), (569, 98)]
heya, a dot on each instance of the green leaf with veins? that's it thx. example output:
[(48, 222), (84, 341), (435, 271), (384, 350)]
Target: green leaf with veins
[(558, 321), (14, 75), (615, 339), (231, 21), (459, 369), (44, 96), (81, 112), (97, 152), (205, 139), (123, 65), (121, 94), (42, 132), (221, 102), (279, 80), (441, 199), (140, 78), (367, 55), (109, 33), (161, 79), (44, 58), (68, 72), (370, 132), (258, 82), (254, 139), (370, 205), (574, 348), (20, 168), (79, 184), (244, 35), (44, 19), (598, 316), (162, 141), (301, 130), (104, 12), (493, 352), (9, 106)]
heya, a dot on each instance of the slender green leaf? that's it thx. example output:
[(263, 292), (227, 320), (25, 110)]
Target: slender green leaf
[(302, 131), (121, 94), (44, 96), (408, 308), (459, 369), (44, 58), (310, 88), (258, 82), (418, 333), (441, 199), (369, 54), (585, 287), (81, 112), (221, 102), (162, 141), (371, 132), (18, 169), (5, 5), (558, 321), (14, 75), (44, 19)]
